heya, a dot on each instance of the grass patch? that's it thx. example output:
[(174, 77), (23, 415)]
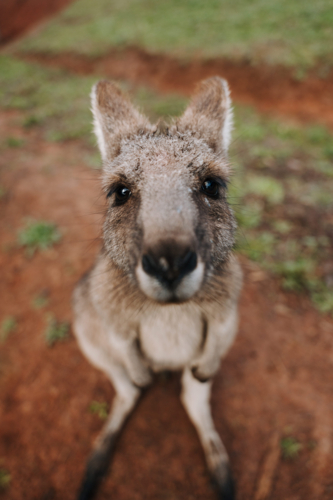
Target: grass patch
[(5, 479), (282, 196), (100, 409), (38, 235), (7, 327), (286, 32), (56, 331), (281, 190), (14, 142), (58, 102), (290, 448), (40, 301)]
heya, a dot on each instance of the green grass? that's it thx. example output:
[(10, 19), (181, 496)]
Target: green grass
[(38, 235), (40, 301), (282, 196), (280, 31), (100, 409), (7, 327), (290, 448), (281, 190), (56, 331), (5, 479), (14, 142), (58, 103)]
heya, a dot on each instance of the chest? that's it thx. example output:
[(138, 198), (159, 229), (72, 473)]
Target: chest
[(171, 337)]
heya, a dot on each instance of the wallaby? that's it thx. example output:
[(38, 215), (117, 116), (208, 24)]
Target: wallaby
[(163, 292)]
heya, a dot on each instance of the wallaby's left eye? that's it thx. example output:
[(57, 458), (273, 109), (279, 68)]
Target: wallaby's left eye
[(122, 193), (210, 187)]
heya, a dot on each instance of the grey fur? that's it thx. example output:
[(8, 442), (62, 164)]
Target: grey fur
[(128, 321)]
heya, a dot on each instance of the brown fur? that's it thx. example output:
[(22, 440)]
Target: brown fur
[(129, 319)]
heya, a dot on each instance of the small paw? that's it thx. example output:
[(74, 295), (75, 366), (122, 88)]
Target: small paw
[(199, 375), (143, 378)]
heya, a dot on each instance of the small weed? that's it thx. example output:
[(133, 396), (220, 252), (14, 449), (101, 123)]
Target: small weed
[(100, 409), (31, 121), (258, 247), (296, 273), (2, 192), (4, 479), (282, 226), (14, 142), (290, 448), (55, 331), (267, 187), (322, 296), (38, 235), (7, 327), (250, 216), (41, 300)]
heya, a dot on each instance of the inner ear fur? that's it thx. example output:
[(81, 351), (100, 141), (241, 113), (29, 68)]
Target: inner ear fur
[(114, 117), (209, 114)]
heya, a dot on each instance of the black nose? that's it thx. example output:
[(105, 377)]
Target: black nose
[(169, 264)]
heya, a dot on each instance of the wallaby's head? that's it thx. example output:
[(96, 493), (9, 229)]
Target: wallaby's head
[(168, 225)]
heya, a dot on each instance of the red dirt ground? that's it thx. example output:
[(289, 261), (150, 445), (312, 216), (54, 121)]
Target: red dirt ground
[(17, 16), (276, 381), (272, 89)]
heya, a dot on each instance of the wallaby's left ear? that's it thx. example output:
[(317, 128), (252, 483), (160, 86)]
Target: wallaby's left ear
[(209, 114)]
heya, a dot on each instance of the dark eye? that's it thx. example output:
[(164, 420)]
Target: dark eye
[(210, 188), (122, 193)]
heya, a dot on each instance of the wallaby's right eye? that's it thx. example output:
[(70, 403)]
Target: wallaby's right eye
[(122, 193)]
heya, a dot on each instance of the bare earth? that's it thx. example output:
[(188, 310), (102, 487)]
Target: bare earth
[(276, 381)]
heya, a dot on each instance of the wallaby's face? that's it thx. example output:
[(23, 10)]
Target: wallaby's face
[(168, 225)]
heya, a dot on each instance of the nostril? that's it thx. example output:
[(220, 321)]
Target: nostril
[(149, 265), (188, 263), (169, 269)]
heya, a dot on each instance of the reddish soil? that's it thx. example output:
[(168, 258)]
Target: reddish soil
[(271, 89), (18, 16), (275, 382)]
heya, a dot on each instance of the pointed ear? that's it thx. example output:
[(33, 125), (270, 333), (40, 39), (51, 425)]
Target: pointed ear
[(114, 117), (209, 114)]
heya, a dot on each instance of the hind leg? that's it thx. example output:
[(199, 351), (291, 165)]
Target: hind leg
[(127, 395), (195, 398), (120, 370)]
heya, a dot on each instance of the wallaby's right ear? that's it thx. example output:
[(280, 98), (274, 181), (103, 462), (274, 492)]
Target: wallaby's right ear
[(114, 116)]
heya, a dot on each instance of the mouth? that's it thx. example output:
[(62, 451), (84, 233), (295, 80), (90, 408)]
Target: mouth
[(181, 290)]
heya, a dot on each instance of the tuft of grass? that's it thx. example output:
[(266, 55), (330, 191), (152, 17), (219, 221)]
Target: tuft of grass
[(38, 235), (15, 142), (41, 300), (56, 331), (100, 409), (290, 448), (295, 273), (277, 32), (58, 102), (267, 187), (5, 479), (7, 327)]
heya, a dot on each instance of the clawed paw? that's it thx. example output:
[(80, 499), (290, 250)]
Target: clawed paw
[(199, 375)]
